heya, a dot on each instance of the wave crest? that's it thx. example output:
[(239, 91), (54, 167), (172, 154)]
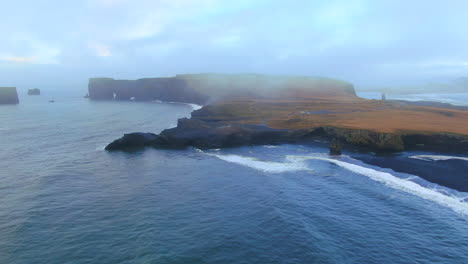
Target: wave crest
[(437, 157), (298, 163)]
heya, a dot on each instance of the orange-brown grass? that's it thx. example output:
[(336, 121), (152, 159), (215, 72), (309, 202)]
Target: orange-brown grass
[(341, 112)]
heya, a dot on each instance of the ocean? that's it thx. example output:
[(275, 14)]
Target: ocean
[(460, 99), (63, 199)]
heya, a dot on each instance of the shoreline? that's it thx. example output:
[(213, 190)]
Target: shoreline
[(195, 132), (449, 173)]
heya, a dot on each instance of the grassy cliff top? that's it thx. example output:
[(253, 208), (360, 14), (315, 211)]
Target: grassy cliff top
[(344, 112)]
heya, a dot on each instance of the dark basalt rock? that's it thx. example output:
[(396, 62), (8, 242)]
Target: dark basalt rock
[(448, 143), (335, 147), (363, 138), (8, 95), (132, 141), (34, 91), (209, 135)]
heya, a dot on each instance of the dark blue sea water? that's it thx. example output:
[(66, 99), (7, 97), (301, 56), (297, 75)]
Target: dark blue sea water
[(65, 200)]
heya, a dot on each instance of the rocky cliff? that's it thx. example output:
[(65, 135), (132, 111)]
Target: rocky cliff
[(206, 88), (8, 95), (163, 89), (213, 135), (256, 109)]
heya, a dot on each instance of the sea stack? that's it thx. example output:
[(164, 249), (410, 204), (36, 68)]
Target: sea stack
[(335, 147), (34, 91), (8, 95)]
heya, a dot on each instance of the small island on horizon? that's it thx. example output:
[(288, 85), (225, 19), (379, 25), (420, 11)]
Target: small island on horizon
[(253, 109)]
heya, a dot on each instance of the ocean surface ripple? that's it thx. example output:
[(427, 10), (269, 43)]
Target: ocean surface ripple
[(65, 200)]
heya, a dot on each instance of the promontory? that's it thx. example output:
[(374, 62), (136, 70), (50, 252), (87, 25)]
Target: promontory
[(252, 109)]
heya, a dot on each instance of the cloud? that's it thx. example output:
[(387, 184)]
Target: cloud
[(363, 41), (100, 50), (18, 59)]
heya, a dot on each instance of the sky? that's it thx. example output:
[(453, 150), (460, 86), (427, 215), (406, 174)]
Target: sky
[(59, 43)]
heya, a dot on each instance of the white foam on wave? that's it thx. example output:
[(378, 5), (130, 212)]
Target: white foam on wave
[(101, 148), (193, 106), (453, 202), (298, 163), (265, 166), (271, 146), (437, 157)]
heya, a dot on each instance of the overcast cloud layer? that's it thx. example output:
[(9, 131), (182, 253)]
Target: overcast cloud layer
[(367, 42)]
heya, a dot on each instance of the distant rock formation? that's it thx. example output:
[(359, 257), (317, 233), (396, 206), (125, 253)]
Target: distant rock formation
[(162, 89), (204, 88), (8, 95), (34, 91)]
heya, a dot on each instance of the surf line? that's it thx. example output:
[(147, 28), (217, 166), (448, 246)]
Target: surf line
[(297, 163), (452, 202), (437, 157), (263, 165)]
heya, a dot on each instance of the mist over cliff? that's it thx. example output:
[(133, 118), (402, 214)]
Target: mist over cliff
[(205, 88)]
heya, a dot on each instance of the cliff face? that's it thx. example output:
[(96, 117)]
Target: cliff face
[(204, 88), (369, 124), (212, 135), (163, 89), (8, 95)]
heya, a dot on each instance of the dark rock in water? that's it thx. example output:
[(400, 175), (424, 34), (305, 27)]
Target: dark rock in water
[(8, 95), (335, 147), (209, 135), (34, 91), (196, 132), (51, 101), (132, 141)]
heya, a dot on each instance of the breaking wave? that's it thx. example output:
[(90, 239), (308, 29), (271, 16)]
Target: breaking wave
[(262, 165), (437, 157), (453, 202), (193, 106), (298, 163)]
